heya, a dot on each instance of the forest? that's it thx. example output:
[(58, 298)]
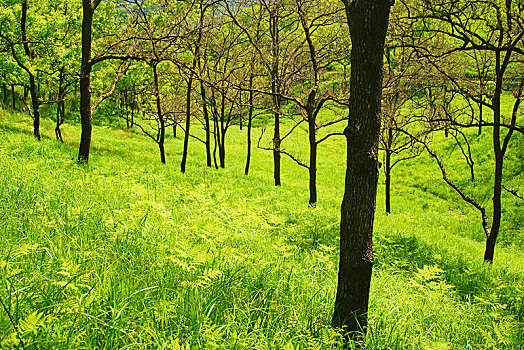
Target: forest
[(262, 174)]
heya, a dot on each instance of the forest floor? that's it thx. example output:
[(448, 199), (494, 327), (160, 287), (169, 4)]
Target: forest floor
[(127, 253)]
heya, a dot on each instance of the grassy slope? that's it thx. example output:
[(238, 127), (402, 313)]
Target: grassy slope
[(130, 253)]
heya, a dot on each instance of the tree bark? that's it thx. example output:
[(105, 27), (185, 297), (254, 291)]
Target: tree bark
[(499, 160), (368, 21), (188, 122), (275, 90), (88, 9), (60, 107), (388, 170), (312, 158), (388, 181), (162, 131), (4, 88), (222, 132), (35, 102), (13, 95), (207, 125), (249, 120)]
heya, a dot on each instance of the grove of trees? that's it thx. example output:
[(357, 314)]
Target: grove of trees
[(297, 67)]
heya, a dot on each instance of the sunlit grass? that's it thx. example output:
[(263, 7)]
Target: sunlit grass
[(130, 253)]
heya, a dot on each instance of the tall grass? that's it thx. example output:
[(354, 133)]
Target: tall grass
[(127, 253)]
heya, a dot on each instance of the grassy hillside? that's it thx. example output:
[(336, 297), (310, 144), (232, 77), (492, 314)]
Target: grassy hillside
[(129, 253)]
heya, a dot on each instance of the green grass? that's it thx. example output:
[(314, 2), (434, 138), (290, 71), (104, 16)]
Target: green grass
[(127, 253)]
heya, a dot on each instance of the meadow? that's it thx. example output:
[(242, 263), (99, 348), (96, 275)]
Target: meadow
[(127, 253)]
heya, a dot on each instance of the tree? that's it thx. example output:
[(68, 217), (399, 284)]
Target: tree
[(87, 63), (26, 66), (484, 29), (368, 23)]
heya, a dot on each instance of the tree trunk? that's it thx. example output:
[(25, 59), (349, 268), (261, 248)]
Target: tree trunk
[(4, 88), (85, 83), (388, 181), (60, 108), (216, 136), (480, 117), (35, 102), (174, 128), (368, 21), (249, 120), (499, 162), (13, 95), (206, 120), (312, 159), (222, 133), (388, 170), (162, 133), (188, 122), (275, 90)]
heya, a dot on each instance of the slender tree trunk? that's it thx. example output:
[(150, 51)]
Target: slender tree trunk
[(276, 142), (174, 128), (60, 107), (249, 121), (188, 122), (134, 105), (88, 10), (207, 124), (222, 131), (35, 102), (4, 88), (480, 117), (162, 133), (216, 135), (312, 158), (275, 90), (499, 162), (368, 21), (388, 170), (13, 95)]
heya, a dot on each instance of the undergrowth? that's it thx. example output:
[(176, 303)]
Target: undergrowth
[(129, 254)]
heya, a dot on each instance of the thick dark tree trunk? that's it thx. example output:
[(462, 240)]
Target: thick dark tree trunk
[(88, 10), (188, 122), (174, 129), (249, 120), (160, 116), (312, 160), (368, 21)]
